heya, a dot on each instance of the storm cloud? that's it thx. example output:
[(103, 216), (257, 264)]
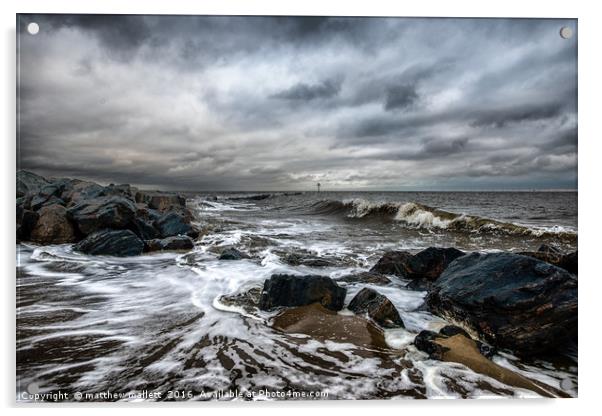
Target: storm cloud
[(280, 103)]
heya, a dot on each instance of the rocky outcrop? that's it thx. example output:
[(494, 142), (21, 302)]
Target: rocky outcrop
[(509, 300), (113, 212), (290, 290), (91, 208), (111, 243), (180, 242), (378, 307), (231, 253), (53, 226)]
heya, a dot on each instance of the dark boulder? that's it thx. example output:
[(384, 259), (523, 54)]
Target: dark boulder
[(371, 278), (144, 229), (378, 307), (53, 226), (111, 243), (180, 242), (289, 290), (231, 253), (510, 301), (426, 341), (309, 260), (28, 182), (393, 262), (172, 223), (26, 222), (47, 195), (428, 264), (554, 256), (76, 191), (160, 201), (114, 212)]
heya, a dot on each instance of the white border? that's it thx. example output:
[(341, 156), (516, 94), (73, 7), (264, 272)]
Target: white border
[(590, 217)]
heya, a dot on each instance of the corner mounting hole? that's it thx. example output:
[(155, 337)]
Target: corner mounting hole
[(566, 32), (33, 28)]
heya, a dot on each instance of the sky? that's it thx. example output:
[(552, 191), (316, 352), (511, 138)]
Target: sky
[(281, 103)]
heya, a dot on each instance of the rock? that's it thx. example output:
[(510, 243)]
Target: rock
[(124, 190), (451, 330), (392, 262), (28, 182), (326, 325), (144, 230), (180, 242), (428, 264), (76, 191), (26, 222), (553, 256), (248, 300), (511, 301), (53, 226), (47, 195), (160, 201), (371, 278), (378, 307), (289, 290), (545, 248), (458, 347), (297, 259), (172, 223), (111, 243), (232, 254), (92, 215)]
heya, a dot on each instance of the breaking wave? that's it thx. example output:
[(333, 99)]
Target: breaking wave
[(425, 217)]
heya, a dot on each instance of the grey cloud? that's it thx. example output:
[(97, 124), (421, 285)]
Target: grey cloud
[(235, 102), (400, 97), (500, 118), (305, 92)]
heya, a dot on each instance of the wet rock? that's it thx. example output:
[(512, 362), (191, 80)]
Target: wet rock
[(180, 242), (370, 278), (451, 330), (326, 325), (554, 256), (53, 226), (159, 200), (427, 265), (28, 182), (248, 300), (144, 229), (458, 347), (172, 223), (92, 215), (392, 262), (302, 259), (47, 195), (76, 191), (289, 290), (111, 243), (510, 301), (232, 254), (26, 222), (378, 307)]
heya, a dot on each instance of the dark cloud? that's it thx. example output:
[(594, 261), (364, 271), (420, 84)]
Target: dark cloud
[(501, 118), (263, 102), (305, 92), (400, 97)]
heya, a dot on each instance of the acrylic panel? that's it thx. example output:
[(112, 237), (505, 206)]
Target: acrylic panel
[(295, 208)]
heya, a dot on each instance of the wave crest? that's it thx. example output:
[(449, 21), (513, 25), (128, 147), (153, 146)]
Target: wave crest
[(422, 216)]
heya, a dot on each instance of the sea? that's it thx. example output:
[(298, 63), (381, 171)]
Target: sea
[(158, 327)]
